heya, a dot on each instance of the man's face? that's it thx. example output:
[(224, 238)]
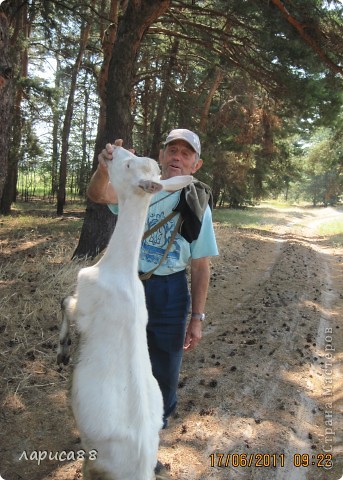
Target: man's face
[(178, 158)]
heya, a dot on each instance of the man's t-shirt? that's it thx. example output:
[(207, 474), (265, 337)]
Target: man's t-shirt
[(154, 246)]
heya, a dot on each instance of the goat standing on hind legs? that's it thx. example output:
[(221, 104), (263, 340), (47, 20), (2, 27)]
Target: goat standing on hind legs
[(116, 401)]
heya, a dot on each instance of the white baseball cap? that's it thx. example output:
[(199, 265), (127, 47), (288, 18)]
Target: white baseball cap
[(186, 135)]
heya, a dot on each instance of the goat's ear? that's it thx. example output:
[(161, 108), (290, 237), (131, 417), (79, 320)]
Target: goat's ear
[(176, 183), (150, 186)]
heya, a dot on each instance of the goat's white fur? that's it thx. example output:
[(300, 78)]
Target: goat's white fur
[(116, 400)]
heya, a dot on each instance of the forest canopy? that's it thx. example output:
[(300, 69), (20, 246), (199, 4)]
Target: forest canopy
[(259, 80)]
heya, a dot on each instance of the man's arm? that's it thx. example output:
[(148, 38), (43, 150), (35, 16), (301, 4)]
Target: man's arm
[(100, 189), (200, 277)]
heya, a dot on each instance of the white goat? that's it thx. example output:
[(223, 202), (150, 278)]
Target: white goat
[(116, 401)]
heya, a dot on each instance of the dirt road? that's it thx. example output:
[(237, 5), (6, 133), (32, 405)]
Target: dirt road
[(261, 398)]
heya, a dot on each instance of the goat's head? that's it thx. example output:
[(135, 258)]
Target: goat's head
[(142, 174)]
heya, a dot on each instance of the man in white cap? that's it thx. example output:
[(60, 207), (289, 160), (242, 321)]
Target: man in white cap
[(179, 231)]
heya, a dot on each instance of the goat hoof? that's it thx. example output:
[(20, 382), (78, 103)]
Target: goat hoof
[(162, 476), (62, 359), (161, 472)]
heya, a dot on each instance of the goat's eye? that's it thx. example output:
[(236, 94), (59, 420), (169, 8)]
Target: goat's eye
[(128, 165)]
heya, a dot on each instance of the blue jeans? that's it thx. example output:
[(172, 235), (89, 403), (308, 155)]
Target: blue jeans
[(168, 300)]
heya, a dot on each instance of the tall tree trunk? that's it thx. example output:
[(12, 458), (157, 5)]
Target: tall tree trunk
[(157, 126), (82, 175), (6, 100), (55, 129), (146, 106), (264, 157), (217, 80), (108, 36), (218, 77), (13, 95), (61, 194), (98, 218), (138, 16)]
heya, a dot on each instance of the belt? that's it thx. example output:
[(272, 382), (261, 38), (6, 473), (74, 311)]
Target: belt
[(181, 272)]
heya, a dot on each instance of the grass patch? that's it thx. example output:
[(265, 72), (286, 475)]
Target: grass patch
[(263, 218), (40, 217), (333, 230), (266, 216), (35, 231), (330, 228)]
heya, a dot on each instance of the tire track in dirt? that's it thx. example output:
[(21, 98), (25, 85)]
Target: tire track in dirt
[(302, 442), (297, 294), (280, 306)]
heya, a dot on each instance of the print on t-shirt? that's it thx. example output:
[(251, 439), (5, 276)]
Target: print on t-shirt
[(154, 246)]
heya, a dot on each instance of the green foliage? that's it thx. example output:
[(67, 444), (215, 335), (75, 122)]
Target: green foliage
[(322, 167), (274, 92)]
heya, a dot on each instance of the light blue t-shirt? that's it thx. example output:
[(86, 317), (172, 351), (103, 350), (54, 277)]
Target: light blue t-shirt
[(181, 252)]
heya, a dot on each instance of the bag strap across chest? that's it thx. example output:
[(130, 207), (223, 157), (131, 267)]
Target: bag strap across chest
[(147, 275)]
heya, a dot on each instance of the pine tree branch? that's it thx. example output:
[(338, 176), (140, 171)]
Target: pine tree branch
[(307, 38)]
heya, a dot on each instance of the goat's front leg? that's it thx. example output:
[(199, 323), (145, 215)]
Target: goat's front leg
[(63, 349)]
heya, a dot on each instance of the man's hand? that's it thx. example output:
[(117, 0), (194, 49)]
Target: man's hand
[(100, 189), (193, 334), (106, 154)]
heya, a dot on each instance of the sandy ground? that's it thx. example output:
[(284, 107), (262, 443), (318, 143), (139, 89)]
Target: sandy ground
[(261, 398)]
